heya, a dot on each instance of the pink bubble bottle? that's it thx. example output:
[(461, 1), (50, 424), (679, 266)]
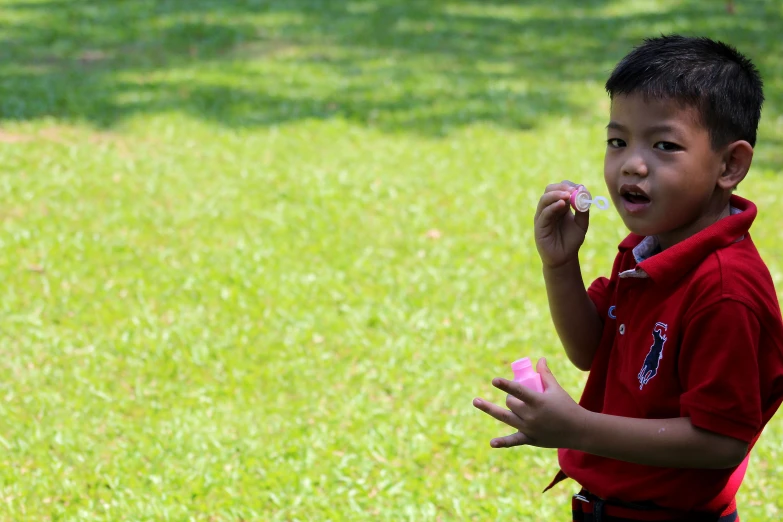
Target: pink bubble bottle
[(525, 375), (581, 200)]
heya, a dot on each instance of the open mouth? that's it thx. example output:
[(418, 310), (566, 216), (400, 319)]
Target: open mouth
[(634, 195), (636, 198)]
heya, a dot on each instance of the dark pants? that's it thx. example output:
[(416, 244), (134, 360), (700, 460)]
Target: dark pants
[(586, 507)]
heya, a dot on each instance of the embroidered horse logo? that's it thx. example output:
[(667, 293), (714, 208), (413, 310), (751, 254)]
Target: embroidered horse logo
[(654, 356)]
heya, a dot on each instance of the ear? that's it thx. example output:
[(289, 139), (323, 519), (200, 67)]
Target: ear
[(736, 163)]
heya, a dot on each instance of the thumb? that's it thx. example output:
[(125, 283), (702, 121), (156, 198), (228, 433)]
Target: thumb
[(582, 219), (547, 377)]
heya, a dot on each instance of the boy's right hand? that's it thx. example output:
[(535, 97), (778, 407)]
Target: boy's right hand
[(559, 231)]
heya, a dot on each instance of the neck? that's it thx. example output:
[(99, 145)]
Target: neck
[(673, 237)]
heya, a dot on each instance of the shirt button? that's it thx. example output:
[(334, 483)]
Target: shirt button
[(622, 329)]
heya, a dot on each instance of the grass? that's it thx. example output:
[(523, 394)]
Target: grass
[(259, 257)]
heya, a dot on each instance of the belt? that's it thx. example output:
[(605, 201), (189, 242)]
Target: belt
[(587, 507)]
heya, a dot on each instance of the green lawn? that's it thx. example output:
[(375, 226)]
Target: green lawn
[(257, 258)]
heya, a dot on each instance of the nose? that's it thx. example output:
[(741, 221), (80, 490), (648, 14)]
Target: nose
[(634, 165)]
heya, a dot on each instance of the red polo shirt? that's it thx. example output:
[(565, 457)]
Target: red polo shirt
[(692, 331)]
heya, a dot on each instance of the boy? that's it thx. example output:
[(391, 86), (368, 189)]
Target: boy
[(684, 341)]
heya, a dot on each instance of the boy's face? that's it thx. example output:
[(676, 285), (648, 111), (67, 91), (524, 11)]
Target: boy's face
[(660, 168)]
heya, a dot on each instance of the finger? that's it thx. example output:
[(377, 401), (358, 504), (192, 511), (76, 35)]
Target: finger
[(516, 406), (498, 413), (509, 441), (582, 219), (565, 185), (517, 390), (549, 198), (551, 214), (547, 377)]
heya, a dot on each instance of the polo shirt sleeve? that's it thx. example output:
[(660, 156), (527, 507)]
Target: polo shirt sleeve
[(719, 370), (600, 294)]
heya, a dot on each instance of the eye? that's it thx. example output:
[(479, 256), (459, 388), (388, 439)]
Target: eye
[(615, 143), (667, 146)]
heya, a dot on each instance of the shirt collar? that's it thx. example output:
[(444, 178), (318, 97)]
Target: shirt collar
[(668, 266)]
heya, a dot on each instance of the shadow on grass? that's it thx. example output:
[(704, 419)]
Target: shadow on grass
[(425, 67)]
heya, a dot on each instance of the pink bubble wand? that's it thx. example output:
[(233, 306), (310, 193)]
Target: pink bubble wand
[(581, 200), (525, 375)]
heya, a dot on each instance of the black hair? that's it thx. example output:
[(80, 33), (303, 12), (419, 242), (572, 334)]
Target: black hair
[(713, 77)]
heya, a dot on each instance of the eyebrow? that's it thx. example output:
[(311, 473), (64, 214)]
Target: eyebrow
[(651, 130)]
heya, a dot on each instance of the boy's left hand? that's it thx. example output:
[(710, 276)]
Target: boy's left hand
[(548, 420)]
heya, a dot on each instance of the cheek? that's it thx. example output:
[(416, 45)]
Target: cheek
[(610, 169), (681, 182)]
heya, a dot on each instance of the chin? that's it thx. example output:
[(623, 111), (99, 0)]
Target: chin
[(641, 227)]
